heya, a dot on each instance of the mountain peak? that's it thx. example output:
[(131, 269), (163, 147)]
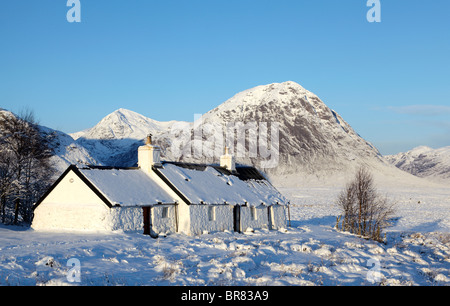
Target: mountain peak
[(272, 99), (122, 124), (282, 88), (421, 149), (290, 84), (124, 114), (125, 111)]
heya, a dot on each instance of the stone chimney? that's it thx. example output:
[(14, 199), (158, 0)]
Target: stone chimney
[(227, 161), (149, 155)]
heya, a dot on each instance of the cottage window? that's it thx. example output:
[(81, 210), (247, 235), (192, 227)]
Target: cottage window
[(253, 213), (165, 212), (212, 213)]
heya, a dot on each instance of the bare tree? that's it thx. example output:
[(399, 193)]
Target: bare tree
[(6, 179), (24, 165), (365, 212)]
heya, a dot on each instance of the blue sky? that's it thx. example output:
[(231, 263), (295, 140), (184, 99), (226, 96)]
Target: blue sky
[(171, 59)]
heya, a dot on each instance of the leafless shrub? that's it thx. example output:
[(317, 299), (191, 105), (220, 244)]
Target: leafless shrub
[(364, 211)]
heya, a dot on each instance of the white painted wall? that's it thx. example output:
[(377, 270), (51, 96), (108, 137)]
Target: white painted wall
[(72, 206), (127, 219), (132, 219), (224, 219), (278, 213), (261, 220), (162, 225), (199, 218)]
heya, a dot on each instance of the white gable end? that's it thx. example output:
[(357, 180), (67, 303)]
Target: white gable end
[(71, 205), (72, 191)]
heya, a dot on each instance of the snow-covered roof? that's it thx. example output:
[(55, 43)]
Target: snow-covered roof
[(127, 187), (206, 184)]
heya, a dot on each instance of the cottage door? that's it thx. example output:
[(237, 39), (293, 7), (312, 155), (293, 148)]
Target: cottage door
[(237, 218), (146, 215)]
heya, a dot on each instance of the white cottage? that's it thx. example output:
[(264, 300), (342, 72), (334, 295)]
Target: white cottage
[(161, 197)]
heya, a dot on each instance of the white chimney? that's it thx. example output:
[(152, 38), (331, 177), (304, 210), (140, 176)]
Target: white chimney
[(227, 161), (149, 155)]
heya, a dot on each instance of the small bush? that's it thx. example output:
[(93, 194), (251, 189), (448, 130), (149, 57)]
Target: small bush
[(364, 211)]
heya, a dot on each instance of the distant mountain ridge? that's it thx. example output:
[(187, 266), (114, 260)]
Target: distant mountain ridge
[(315, 143), (425, 162)]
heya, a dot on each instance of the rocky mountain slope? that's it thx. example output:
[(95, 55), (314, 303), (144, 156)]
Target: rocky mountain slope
[(425, 162), (312, 137), (66, 150)]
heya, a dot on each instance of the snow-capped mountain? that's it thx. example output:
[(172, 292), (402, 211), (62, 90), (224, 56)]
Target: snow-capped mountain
[(424, 162), (312, 137), (314, 141), (115, 139), (123, 124), (314, 146)]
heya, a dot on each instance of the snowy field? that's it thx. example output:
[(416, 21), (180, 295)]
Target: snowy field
[(310, 252)]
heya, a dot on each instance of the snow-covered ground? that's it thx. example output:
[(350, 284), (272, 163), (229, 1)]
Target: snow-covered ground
[(310, 252)]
